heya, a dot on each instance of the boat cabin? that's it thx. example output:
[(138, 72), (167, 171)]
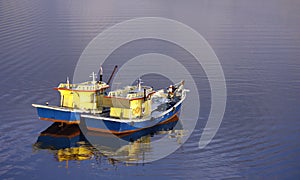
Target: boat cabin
[(87, 95), (129, 103)]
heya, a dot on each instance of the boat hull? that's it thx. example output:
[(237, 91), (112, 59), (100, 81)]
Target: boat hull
[(58, 114), (117, 126)]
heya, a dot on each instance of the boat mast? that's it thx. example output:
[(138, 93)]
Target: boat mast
[(101, 74), (94, 78), (112, 74), (68, 83), (94, 85), (140, 84)]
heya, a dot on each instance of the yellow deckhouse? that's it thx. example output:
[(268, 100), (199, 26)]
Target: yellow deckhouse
[(129, 103), (87, 95)]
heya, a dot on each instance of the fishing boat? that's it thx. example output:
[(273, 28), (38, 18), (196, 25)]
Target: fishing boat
[(75, 99), (135, 108)]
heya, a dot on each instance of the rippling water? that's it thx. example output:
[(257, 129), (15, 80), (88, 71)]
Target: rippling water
[(258, 44)]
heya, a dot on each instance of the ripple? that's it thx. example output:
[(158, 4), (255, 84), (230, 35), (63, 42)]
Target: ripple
[(259, 135)]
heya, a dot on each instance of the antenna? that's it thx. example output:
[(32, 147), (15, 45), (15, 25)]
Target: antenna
[(68, 83), (94, 77), (139, 84)]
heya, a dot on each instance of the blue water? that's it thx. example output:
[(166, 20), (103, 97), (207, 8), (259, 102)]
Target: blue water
[(258, 45)]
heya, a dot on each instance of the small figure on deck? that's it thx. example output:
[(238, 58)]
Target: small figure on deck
[(171, 91)]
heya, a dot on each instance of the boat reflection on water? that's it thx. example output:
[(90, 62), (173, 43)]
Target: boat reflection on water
[(65, 141), (69, 142)]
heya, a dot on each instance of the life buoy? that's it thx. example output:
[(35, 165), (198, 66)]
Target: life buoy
[(137, 110)]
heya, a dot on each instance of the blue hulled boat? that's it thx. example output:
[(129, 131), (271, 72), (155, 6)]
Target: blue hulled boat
[(122, 111), (135, 108), (75, 99)]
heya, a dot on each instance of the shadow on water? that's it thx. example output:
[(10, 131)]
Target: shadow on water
[(69, 142)]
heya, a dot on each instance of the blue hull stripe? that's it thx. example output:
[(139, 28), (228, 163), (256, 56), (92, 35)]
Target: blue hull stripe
[(124, 127), (58, 116)]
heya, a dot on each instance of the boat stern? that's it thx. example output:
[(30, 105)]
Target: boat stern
[(57, 114)]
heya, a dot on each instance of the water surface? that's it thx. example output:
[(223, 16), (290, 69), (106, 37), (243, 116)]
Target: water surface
[(258, 45)]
